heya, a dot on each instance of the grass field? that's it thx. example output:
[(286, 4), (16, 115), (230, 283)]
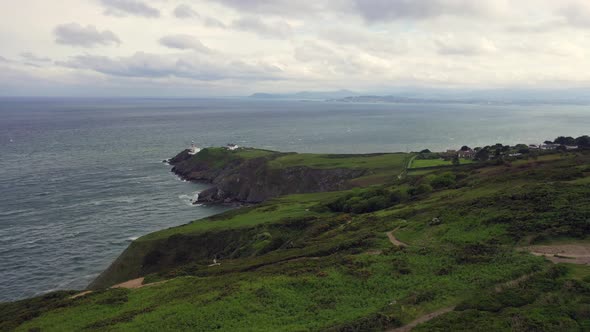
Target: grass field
[(392, 161), (421, 163), (248, 153), (294, 206)]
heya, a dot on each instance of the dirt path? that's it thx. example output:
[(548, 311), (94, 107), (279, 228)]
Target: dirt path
[(394, 240), (433, 315), (408, 166), (80, 294), (563, 253), (130, 284), (423, 319)]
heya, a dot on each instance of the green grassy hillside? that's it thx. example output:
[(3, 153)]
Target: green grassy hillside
[(372, 258)]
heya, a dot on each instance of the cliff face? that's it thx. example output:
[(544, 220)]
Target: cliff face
[(236, 179)]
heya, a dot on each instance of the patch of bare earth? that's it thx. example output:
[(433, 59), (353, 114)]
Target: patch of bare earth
[(563, 253), (423, 319), (394, 240), (131, 284), (80, 294)]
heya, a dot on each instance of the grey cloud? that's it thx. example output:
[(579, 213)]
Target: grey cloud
[(371, 10), (213, 23), (76, 35), (32, 57), (129, 7), (276, 29), (386, 10), (279, 7), (184, 42), (144, 65), (185, 11)]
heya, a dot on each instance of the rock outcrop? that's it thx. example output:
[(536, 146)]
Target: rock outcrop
[(236, 179)]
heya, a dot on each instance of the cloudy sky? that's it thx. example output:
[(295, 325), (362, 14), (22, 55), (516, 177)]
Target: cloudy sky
[(237, 47)]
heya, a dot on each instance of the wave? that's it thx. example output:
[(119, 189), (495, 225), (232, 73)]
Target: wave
[(189, 199)]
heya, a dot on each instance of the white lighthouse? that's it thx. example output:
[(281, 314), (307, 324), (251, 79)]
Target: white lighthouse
[(194, 149)]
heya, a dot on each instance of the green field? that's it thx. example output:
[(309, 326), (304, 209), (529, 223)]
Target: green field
[(316, 262), (394, 161), (295, 206), (421, 163)]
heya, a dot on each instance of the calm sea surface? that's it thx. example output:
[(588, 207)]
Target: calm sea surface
[(81, 178)]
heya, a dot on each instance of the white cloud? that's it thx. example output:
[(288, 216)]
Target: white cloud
[(184, 42), (577, 13), (32, 57), (451, 45), (191, 66), (286, 44), (76, 35)]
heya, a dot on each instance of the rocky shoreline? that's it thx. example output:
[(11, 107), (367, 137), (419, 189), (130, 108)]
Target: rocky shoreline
[(249, 181)]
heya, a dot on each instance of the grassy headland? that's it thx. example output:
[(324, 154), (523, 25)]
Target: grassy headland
[(325, 261)]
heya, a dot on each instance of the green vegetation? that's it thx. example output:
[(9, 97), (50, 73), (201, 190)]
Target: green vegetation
[(422, 163), (547, 301), (295, 206), (324, 261), (395, 161)]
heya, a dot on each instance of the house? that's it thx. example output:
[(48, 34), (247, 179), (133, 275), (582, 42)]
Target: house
[(466, 154), (571, 147), (534, 146), (449, 154), (232, 147), (549, 146)]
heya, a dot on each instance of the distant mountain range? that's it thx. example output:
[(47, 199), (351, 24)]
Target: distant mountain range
[(308, 95), (576, 96)]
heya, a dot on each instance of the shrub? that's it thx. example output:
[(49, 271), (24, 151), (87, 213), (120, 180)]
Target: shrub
[(366, 201), (443, 181), (419, 190)]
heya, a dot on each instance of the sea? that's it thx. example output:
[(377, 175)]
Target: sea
[(81, 178)]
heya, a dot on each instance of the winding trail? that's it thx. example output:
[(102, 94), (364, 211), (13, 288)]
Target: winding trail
[(575, 253), (430, 316), (394, 240), (408, 166), (423, 319), (130, 284)]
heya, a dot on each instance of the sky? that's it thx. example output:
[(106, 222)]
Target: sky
[(237, 47)]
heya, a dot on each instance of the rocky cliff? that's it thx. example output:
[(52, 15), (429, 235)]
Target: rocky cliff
[(252, 180)]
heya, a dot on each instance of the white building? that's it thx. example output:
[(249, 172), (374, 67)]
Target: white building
[(194, 149), (232, 147)]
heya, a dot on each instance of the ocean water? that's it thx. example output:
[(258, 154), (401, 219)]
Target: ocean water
[(81, 178)]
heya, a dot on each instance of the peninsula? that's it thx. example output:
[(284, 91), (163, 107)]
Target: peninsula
[(493, 236)]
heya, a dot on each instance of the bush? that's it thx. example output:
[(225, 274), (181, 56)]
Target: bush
[(443, 181), (419, 190), (366, 201)]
